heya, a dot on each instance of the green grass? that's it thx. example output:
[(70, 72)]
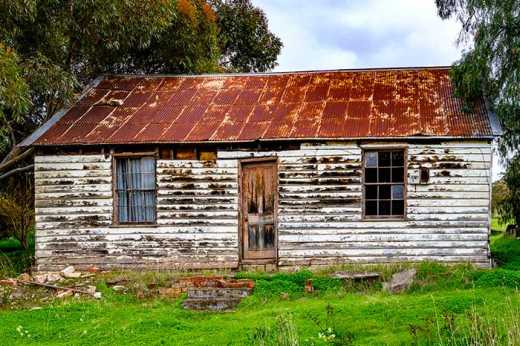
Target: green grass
[(367, 319)]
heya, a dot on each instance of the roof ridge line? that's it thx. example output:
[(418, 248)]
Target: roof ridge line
[(275, 73)]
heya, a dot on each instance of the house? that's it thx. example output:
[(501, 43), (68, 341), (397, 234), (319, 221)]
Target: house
[(276, 169)]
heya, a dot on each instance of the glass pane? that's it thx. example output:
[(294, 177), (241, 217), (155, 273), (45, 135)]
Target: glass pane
[(252, 237), (397, 191), (148, 181), (136, 189), (149, 202), (397, 175), (384, 175), (371, 159), (397, 158), (122, 199), (148, 165), (384, 207), (384, 191), (371, 192), (121, 171), (397, 207), (269, 236), (371, 208), (384, 158), (371, 175)]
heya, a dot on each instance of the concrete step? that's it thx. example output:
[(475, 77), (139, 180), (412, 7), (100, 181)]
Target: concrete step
[(214, 292), (213, 304)]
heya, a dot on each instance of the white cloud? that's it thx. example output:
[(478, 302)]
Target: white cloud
[(332, 34)]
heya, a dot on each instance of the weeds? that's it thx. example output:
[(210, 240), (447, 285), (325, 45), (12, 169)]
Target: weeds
[(282, 333), (329, 330), (7, 268)]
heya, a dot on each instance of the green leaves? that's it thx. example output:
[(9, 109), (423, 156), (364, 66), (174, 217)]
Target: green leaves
[(246, 42), (14, 95)]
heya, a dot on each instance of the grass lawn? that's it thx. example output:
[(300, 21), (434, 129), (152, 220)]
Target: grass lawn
[(369, 319), (456, 305)]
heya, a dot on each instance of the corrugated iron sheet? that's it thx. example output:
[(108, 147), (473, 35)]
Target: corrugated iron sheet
[(300, 105)]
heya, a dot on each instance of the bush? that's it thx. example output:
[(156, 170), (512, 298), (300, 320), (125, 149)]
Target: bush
[(18, 216), (506, 252), (498, 277)]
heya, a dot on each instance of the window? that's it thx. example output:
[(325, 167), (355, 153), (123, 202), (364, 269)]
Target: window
[(384, 183), (135, 190)]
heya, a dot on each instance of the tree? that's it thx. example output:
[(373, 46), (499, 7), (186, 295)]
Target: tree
[(247, 44), (14, 96), (509, 208), (53, 48), (499, 194), (490, 66)]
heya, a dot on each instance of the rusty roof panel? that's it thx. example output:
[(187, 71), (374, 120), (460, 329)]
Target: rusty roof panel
[(310, 105), (308, 122)]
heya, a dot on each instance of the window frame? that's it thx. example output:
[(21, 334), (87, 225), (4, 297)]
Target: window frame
[(369, 148), (115, 197)]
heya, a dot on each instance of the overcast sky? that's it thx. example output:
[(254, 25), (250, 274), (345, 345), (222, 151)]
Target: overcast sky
[(336, 34)]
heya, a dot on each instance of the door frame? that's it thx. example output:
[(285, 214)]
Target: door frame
[(241, 163)]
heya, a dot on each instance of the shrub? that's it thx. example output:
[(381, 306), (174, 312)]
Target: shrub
[(7, 268), (18, 216), (498, 277), (506, 251)]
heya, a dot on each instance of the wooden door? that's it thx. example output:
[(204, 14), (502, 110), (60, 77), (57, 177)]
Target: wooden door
[(258, 210)]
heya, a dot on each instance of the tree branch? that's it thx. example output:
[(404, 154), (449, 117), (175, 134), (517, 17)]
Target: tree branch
[(16, 170), (15, 159)]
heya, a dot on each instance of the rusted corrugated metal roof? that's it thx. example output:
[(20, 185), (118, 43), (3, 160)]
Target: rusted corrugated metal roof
[(301, 105)]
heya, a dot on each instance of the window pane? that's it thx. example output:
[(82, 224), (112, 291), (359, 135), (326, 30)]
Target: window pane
[(371, 175), (384, 159), (397, 191), (397, 158), (136, 190), (384, 207), (252, 231), (384, 191), (148, 165), (371, 159), (371, 208), (371, 192), (384, 175), (269, 236), (384, 183), (397, 207), (397, 175), (121, 171), (148, 181), (122, 199)]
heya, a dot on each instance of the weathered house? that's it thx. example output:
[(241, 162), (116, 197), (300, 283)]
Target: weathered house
[(286, 169)]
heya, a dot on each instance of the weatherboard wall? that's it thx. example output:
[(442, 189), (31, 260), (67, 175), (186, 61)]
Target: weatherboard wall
[(319, 214)]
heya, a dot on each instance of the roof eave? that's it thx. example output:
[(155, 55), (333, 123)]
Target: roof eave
[(303, 139), (496, 127)]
